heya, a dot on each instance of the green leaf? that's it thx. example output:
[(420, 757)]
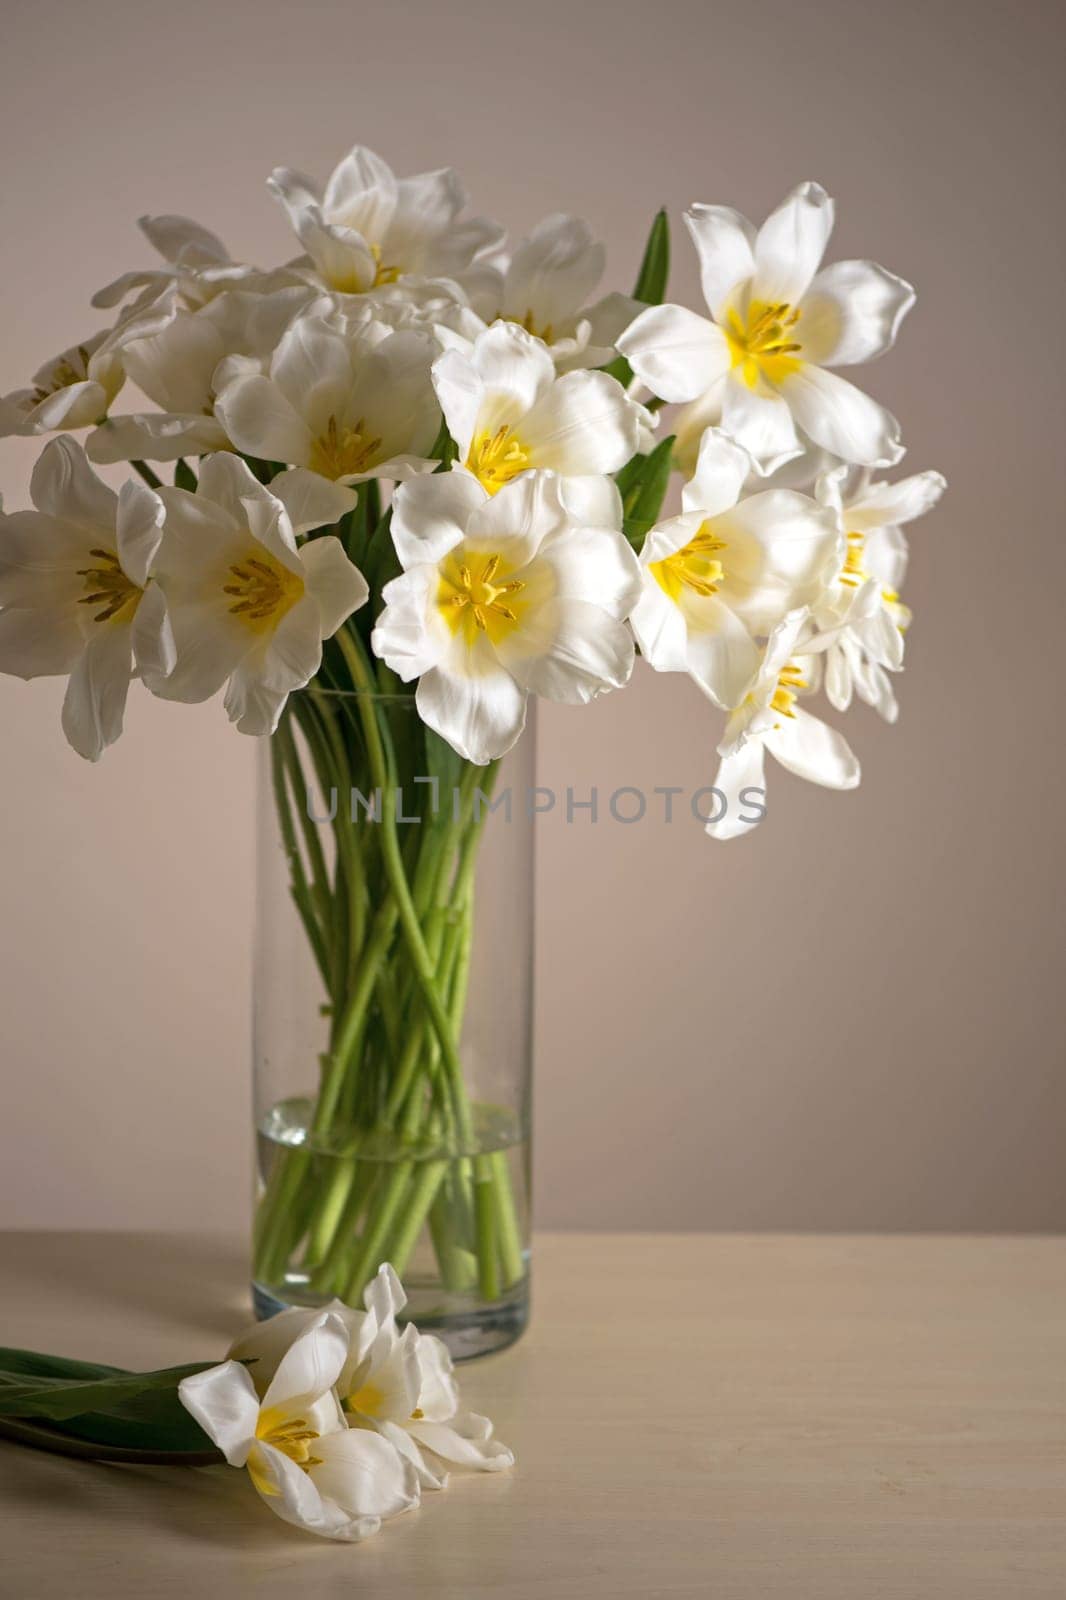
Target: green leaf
[(184, 476), (655, 266), (642, 500), (444, 449), (57, 1399), (22, 1364), (650, 285)]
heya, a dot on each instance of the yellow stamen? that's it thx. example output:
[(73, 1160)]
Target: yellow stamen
[(62, 375), (341, 451), (473, 601), (262, 591), (107, 585), (761, 341), (695, 566), (496, 458), (789, 683), (383, 273), (291, 1435), (853, 573)]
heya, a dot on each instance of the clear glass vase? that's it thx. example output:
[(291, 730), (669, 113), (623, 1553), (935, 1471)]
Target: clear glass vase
[(392, 1018)]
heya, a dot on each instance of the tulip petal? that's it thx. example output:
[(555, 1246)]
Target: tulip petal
[(841, 418), (95, 701), (678, 354), (334, 583), (262, 421), (465, 1441), (311, 500), (892, 503), (430, 514), (736, 810), (569, 651), (761, 422), (481, 716), (364, 1474), (813, 750), (64, 486), (584, 423), (790, 244), (721, 468), (292, 1495), (851, 313), (39, 643), (724, 242), (224, 1403)]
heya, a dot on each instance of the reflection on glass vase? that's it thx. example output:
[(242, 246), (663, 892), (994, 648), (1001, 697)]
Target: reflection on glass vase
[(393, 993)]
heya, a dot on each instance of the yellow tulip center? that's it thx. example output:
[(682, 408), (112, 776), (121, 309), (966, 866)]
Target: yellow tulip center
[(383, 272), (789, 683), (695, 566), (261, 590), (761, 341), (496, 458), (477, 595), (291, 1435), (62, 375), (853, 573), (341, 451), (107, 586), (547, 332)]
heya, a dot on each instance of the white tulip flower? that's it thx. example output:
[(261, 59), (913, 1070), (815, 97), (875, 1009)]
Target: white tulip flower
[(366, 228), (73, 390), (522, 592), (728, 569), (339, 406), (861, 619), (178, 368), (197, 267), (398, 1384), (767, 718), (307, 1464), (778, 323), (246, 606), (544, 289), (76, 592), (509, 413)]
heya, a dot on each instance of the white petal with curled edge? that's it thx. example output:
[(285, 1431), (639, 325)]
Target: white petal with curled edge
[(361, 193), (460, 392), (154, 436), (139, 529), (95, 701), (385, 1295), (892, 503), (841, 418), (181, 240), (852, 312), (223, 1401), (721, 468), (518, 520), (430, 514), (721, 653), (410, 635), (260, 420), (594, 564), (724, 242), (736, 812), (295, 190), (761, 422), (292, 1495), (790, 244), (678, 354), (311, 1365), (151, 635), (39, 644), (64, 486), (480, 716), (311, 500), (569, 651), (553, 272), (465, 1441), (429, 1476), (585, 423), (592, 500), (659, 628), (363, 1473), (334, 583), (813, 750)]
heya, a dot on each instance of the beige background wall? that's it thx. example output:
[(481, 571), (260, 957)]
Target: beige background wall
[(852, 1020)]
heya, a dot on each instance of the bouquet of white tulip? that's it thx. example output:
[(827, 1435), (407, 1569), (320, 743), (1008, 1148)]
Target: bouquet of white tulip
[(340, 1418), (414, 483)]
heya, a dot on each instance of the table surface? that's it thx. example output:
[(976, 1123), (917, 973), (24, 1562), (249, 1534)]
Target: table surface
[(727, 1416)]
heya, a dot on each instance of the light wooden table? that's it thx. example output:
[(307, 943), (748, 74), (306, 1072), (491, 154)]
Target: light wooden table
[(729, 1417)]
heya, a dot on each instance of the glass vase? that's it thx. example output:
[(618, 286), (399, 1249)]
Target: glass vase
[(392, 1018)]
